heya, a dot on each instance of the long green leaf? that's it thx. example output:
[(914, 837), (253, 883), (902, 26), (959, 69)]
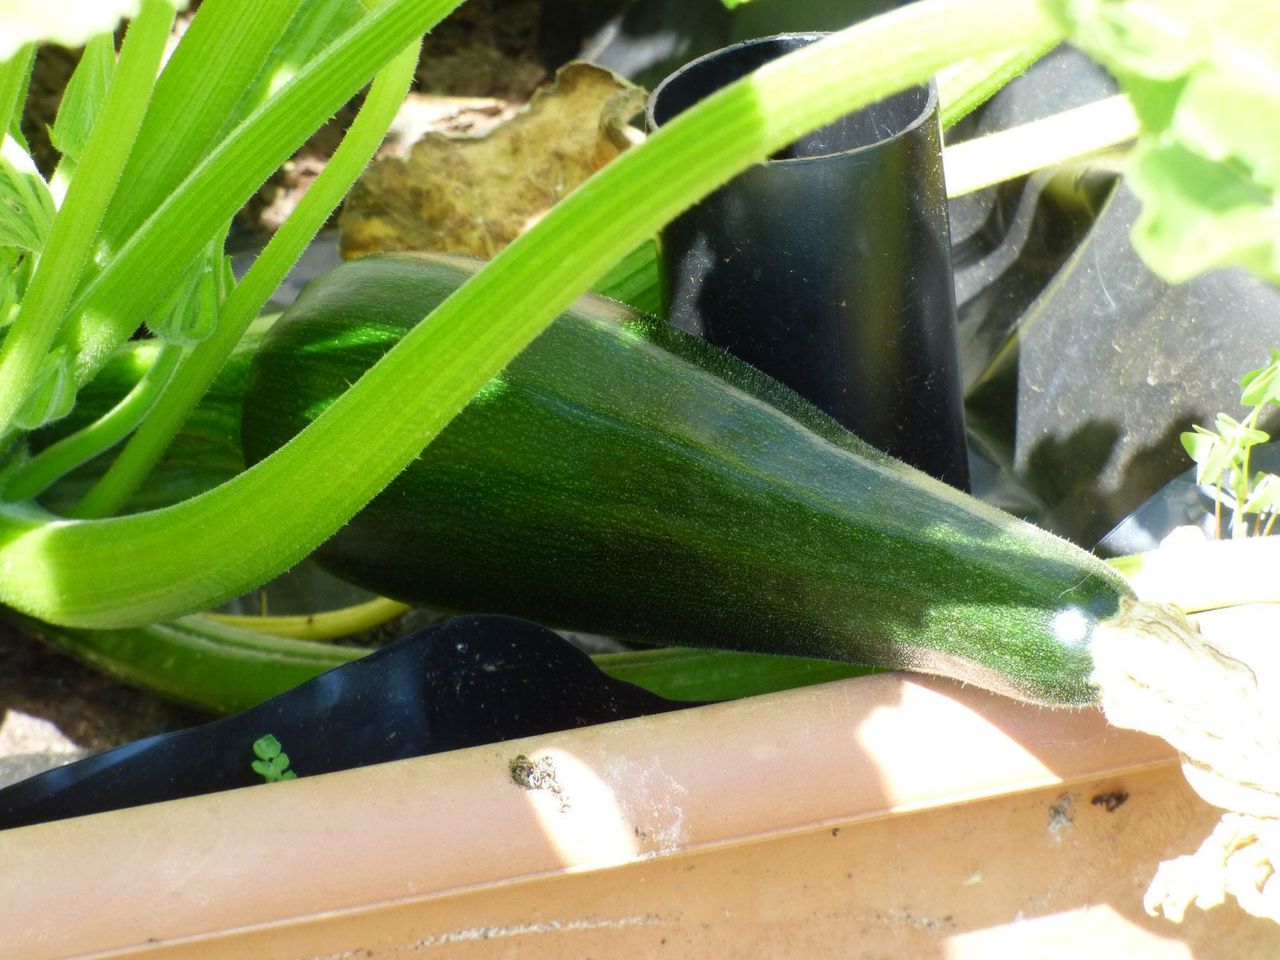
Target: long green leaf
[(246, 301), (195, 99), (202, 663), (15, 75), (157, 565), (198, 210)]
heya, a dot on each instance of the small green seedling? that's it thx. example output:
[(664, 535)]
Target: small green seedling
[(1222, 456), (272, 763)]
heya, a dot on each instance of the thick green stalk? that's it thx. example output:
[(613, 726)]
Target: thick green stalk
[(247, 300), (157, 565), (71, 237), (141, 273), (41, 471), (969, 85), (1058, 138)]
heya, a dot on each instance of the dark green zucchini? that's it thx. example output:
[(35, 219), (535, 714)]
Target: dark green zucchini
[(623, 478)]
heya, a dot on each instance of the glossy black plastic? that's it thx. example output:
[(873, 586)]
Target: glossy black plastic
[(828, 266), (465, 682)]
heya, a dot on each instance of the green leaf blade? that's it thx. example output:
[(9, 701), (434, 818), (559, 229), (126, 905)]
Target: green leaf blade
[(26, 205), (1262, 386), (83, 98), (1204, 80)]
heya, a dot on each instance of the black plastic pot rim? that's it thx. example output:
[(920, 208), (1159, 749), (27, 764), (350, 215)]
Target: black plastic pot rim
[(924, 113)]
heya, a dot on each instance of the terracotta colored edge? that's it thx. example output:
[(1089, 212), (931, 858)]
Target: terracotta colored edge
[(728, 773)]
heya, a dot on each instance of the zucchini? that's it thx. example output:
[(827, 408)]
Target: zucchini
[(624, 478)]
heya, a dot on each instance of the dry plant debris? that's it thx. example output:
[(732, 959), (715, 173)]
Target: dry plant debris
[(474, 195)]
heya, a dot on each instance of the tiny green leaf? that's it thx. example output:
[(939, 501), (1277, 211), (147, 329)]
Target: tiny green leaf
[(266, 747), (54, 394), (1265, 496), (1210, 452), (26, 206), (83, 97), (272, 763), (1262, 386)]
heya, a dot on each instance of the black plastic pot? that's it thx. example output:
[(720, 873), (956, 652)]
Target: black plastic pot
[(828, 266), (649, 39)]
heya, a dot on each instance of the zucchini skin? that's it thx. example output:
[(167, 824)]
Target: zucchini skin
[(624, 478)]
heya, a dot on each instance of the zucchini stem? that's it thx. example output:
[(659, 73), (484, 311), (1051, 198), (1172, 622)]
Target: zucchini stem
[(1020, 150), (328, 625), (75, 228), (364, 136), (55, 461)]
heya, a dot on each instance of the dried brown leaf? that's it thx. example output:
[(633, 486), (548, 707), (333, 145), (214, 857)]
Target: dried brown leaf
[(474, 195)]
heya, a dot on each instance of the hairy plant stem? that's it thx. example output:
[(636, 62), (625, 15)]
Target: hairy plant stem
[(106, 310), (321, 626), (967, 86), (243, 305), (71, 237), (41, 471), (1070, 135), (196, 97)]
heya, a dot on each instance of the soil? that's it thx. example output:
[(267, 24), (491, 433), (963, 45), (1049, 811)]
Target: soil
[(53, 708)]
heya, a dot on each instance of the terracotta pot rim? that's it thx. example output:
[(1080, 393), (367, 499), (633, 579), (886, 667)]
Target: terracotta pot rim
[(587, 799)]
